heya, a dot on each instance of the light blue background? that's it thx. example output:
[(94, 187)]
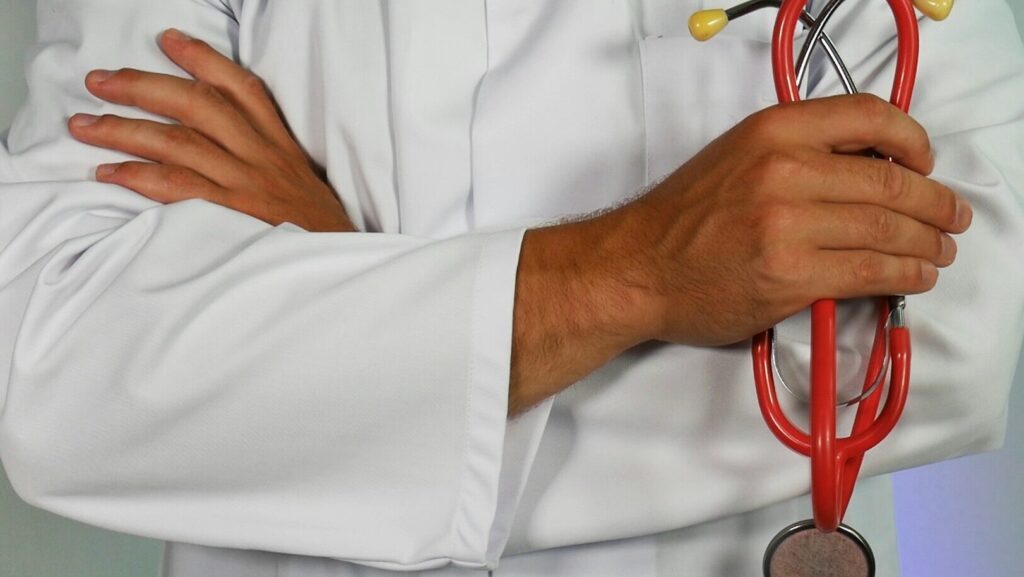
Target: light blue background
[(963, 518)]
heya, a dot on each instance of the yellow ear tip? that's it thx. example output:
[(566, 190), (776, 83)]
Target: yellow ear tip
[(706, 23), (935, 9)]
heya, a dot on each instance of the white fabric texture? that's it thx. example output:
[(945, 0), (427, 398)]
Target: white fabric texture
[(186, 372), (192, 374)]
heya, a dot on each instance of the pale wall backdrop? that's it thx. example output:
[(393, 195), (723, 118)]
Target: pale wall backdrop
[(964, 518), (34, 543)]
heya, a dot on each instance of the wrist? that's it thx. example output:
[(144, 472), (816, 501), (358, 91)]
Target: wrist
[(601, 301), (576, 308), (615, 279)]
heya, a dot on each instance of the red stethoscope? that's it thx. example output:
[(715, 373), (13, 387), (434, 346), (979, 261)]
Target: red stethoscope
[(835, 461)]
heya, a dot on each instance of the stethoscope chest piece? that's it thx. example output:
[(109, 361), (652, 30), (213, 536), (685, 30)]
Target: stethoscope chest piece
[(801, 550)]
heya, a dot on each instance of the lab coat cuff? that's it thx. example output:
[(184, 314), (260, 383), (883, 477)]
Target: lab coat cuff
[(499, 451)]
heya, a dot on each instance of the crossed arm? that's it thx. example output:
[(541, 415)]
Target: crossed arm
[(767, 219)]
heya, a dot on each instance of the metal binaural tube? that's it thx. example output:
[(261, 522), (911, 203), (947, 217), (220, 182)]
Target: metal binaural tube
[(816, 33), (820, 38)]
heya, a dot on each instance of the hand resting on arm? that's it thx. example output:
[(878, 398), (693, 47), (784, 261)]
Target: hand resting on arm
[(230, 147), (764, 221)]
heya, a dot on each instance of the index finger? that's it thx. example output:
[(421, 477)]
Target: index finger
[(859, 122)]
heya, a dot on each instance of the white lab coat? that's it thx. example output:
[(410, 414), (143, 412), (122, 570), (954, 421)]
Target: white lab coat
[(189, 373)]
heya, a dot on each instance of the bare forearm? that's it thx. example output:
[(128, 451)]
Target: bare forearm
[(572, 313)]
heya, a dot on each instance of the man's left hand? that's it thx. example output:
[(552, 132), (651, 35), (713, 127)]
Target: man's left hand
[(230, 146)]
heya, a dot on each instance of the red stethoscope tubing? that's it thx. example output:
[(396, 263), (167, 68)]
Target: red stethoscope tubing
[(835, 462)]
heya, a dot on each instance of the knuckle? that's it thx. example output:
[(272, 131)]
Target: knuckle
[(769, 241), (206, 91), (191, 47), (765, 122), (127, 75), (778, 268), (882, 227), (869, 270), (104, 125), (775, 167), (112, 130), (176, 136), (177, 178), (127, 171), (870, 108), (771, 224), (253, 86), (893, 181)]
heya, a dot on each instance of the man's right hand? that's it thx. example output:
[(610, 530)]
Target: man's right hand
[(773, 215)]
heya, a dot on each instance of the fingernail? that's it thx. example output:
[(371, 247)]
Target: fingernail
[(175, 35), (964, 213), (106, 170), (100, 76), (82, 120), (929, 274), (948, 249)]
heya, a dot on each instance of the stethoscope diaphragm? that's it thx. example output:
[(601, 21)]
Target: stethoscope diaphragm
[(801, 550)]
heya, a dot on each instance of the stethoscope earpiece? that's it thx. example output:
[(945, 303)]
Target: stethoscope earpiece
[(935, 9), (705, 24)]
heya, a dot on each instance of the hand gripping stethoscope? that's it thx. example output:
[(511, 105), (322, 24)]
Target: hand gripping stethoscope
[(825, 546)]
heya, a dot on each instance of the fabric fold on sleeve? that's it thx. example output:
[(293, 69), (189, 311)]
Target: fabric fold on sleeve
[(189, 373)]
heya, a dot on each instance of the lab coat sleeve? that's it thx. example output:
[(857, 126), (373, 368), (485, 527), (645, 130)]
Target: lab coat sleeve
[(189, 373), (968, 330)]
